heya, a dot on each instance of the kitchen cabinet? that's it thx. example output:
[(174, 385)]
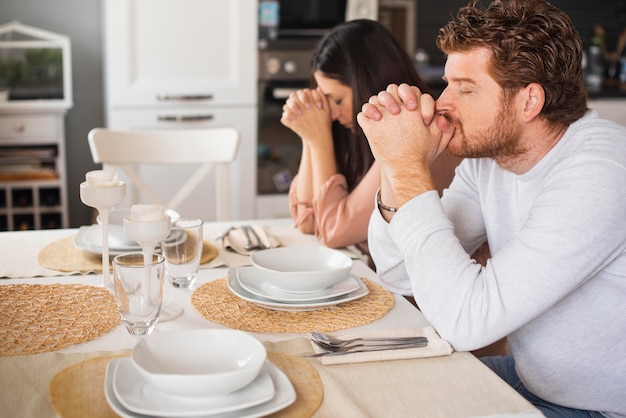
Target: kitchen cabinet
[(35, 93), (184, 52), (33, 191), (186, 64)]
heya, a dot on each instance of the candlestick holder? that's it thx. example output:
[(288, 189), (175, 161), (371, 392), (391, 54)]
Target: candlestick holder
[(102, 190), (148, 225)]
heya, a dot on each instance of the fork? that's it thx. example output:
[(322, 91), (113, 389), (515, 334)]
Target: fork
[(367, 343), (338, 351), (224, 234), (330, 340)]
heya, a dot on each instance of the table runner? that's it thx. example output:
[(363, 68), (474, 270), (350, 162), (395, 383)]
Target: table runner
[(40, 318), (435, 387), (62, 255), (216, 303), (19, 251), (438, 387), (77, 391)]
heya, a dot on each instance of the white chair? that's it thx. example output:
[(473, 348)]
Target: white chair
[(127, 150)]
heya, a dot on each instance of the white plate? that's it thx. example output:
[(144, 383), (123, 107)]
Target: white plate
[(137, 395), (237, 289), (251, 279), (284, 395), (89, 238)]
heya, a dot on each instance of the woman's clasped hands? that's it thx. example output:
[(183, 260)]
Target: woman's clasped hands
[(307, 113)]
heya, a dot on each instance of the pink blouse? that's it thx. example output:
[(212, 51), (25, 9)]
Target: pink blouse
[(336, 217)]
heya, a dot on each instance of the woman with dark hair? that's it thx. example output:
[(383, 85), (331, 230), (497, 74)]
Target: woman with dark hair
[(333, 193)]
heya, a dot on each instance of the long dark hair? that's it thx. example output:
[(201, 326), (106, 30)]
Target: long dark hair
[(361, 54)]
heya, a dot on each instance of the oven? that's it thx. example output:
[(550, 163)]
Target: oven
[(279, 148)]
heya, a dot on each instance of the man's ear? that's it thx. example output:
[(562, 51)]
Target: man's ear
[(533, 97)]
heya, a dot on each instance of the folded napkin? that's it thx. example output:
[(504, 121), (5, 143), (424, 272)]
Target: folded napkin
[(235, 240), (437, 346)]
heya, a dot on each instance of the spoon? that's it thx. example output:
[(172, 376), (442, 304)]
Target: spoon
[(417, 341), (349, 350), (249, 246), (338, 342)]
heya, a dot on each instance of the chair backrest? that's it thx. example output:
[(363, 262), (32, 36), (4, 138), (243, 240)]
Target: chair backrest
[(126, 150)]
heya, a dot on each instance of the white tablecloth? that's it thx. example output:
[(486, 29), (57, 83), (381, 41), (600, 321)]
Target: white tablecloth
[(454, 385)]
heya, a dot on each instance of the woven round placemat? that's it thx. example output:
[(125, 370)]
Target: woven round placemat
[(305, 380), (216, 303), (63, 255), (36, 318), (78, 391)]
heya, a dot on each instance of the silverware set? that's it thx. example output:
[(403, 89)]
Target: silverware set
[(333, 346), (250, 234), (249, 231)]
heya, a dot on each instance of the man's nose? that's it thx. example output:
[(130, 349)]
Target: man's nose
[(443, 104)]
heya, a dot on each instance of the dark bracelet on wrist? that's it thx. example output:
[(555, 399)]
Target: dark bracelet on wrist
[(382, 206)]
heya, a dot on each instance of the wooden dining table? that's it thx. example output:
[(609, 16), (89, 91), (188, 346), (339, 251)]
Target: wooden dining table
[(68, 380)]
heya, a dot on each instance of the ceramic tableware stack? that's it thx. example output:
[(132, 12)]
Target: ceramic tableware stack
[(197, 373), (300, 278)]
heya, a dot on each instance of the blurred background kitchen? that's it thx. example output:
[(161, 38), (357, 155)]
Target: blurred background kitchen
[(269, 62)]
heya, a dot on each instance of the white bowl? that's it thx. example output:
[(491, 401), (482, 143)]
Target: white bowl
[(302, 269), (201, 362)]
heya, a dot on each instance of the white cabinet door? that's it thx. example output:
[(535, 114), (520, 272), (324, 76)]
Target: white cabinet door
[(180, 52)]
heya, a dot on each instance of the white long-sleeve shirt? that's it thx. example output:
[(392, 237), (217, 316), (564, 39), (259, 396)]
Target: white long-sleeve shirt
[(556, 282)]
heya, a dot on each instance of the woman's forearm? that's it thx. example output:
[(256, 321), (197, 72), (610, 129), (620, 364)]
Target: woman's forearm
[(323, 162), (304, 191)]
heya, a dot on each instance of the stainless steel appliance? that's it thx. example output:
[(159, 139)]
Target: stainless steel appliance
[(278, 153), (312, 18)]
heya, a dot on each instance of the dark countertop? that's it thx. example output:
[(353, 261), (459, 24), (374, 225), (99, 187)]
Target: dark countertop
[(608, 93)]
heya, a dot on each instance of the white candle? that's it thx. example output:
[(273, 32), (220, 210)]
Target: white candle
[(101, 178), (147, 213)]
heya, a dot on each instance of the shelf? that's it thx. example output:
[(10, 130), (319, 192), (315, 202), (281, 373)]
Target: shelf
[(31, 206), (32, 172)]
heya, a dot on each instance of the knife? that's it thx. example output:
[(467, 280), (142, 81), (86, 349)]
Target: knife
[(367, 349)]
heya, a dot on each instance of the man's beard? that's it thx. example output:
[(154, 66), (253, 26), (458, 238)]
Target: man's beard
[(500, 140)]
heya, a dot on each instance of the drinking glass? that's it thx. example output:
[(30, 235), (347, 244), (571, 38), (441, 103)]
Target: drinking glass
[(139, 290), (182, 250)]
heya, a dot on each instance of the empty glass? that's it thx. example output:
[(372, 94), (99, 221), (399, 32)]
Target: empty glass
[(139, 290), (182, 250)]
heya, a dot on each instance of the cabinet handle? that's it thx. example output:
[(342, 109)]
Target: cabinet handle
[(168, 97), (19, 128), (174, 118)]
